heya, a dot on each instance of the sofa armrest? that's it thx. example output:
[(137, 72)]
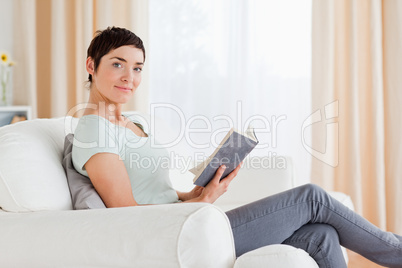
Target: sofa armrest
[(174, 235)]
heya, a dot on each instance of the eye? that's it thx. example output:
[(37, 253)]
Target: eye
[(138, 69), (117, 65)]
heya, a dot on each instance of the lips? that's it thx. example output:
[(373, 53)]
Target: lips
[(124, 89)]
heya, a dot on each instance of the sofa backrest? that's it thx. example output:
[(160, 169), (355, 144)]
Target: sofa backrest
[(31, 174), (32, 177)]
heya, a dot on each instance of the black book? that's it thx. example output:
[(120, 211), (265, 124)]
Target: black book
[(234, 147)]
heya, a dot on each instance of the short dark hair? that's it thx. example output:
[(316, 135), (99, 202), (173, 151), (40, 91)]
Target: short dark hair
[(109, 39)]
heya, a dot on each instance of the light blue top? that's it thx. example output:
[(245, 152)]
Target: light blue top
[(147, 167)]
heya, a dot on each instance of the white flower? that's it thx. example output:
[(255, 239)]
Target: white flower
[(5, 59), (5, 69)]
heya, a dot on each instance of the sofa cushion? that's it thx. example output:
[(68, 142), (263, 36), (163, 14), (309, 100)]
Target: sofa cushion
[(31, 174), (278, 256), (83, 193)]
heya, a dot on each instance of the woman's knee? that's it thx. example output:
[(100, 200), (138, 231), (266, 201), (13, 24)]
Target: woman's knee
[(324, 232), (321, 241), (312, 189), (317, 233)]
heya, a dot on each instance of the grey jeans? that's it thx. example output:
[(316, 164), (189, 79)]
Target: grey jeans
[(309, 218)]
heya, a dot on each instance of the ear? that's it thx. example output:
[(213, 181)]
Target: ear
[(90, 65)]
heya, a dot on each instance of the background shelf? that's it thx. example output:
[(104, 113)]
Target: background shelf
[(7, 113)]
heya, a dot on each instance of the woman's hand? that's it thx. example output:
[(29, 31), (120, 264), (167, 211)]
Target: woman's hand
[(215, 188), (194, 193)]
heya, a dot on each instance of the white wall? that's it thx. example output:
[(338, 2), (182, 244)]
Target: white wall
[(6, 26)]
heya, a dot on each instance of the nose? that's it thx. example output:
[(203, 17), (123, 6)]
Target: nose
[(128, 76)]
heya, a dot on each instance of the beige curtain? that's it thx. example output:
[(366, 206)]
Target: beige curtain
[(357, 60), (51, 38)]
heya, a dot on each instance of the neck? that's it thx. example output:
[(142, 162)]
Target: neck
[(99, 105)]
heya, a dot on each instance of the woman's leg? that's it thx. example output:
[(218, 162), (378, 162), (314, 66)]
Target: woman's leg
[(274, 219), (321, 242)]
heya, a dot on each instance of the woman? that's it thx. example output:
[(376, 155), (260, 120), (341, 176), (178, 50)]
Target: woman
[(305, 217)]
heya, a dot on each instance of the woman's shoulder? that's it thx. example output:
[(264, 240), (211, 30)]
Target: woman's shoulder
[(90, 120), (92, 126), (93, 135), (140, 120)]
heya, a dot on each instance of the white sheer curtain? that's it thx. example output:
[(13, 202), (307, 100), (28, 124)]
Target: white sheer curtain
[(244, 60)]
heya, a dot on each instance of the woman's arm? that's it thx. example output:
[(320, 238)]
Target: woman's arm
[(109, 176), (110, 179)]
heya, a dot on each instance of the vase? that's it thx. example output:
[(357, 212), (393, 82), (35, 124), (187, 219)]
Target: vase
[(6, 93)]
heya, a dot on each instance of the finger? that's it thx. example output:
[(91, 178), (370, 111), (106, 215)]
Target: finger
[(233, 174), (219, 173), (239, 166), (235, 171)]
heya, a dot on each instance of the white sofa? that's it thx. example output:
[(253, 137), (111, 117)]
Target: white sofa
[(38, 227)]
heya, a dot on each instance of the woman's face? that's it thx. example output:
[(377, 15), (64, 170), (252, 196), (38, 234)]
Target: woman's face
[(118, 74)]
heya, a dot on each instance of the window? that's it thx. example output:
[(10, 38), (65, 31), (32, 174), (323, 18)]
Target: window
[(214, 64)]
